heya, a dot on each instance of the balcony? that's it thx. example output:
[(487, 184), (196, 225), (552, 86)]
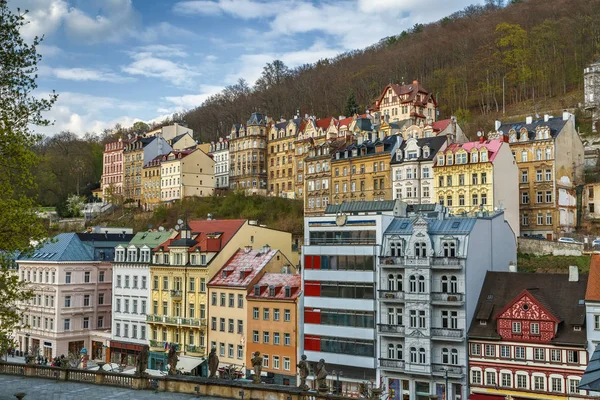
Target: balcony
[(157, 345), (448, 299), (419, 369), (164, 319), (195, 349), (416, 261), (447, 334), (395, 330), (391, 295), (446, 263), (193, 321), (391, 363), (176, 294), (386, 261), (452, 370)]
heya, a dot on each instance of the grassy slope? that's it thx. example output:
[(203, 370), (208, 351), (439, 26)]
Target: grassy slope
[(558, 264)]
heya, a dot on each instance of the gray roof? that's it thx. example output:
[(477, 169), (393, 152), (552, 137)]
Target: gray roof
[(178, 138), (555, 124), (63, 247), (361, 206), (434, 143), (446, 226), (421, 207), (591, 376), (281, 125)]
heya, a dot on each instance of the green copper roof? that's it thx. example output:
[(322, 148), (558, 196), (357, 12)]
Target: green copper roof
[(150, 239)]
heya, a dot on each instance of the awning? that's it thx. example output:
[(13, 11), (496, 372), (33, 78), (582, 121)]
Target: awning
[(187, 364), (479, 396)]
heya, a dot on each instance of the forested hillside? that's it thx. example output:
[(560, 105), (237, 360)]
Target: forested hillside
[(538, 47)]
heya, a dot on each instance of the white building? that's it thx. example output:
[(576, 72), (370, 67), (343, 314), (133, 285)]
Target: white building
[(339, 282), (412, 169), (220, 152), (430, 271), (169, 132), (131, 291)]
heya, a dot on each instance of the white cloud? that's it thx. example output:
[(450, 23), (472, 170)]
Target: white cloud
[(172, 50), (150, 66), (82, 74), (48, 51), (189, 101), (44, 16), (244, 9)]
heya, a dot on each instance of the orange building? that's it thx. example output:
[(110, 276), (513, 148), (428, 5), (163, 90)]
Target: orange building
[(273, 326)]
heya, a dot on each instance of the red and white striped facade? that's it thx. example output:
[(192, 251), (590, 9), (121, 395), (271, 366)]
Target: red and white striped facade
[(112, 173)]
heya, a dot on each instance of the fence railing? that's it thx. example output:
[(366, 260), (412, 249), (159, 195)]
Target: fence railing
[(82, 376), (118, 380)]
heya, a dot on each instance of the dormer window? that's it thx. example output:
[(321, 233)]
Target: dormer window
[(449, 248), (272, 291), (354, 152), (484, 155), (461, 158), (450, 159), (396, 249), (120, 255), (224, 274), (145, 255), (425, 152), (132, 255), (440, 160), (288, 291), (512, 137), (474, 157), (256, 290)]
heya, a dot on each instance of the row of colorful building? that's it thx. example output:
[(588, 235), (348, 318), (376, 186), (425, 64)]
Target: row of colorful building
[(409, 297), (397, 150)]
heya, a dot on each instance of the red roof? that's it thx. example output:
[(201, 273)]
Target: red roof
[(279, 281), (441, 125), (592, 291), (324, 122), (345, 121), (493, 147), (242, 267), (205, 228)]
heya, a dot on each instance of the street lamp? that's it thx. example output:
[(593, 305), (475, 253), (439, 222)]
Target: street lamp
[(337, 386), (446, 388)]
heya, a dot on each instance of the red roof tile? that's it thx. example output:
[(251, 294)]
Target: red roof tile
[(441, 125), (492, 145), (242, 268), (204, 228), (592, 291), (279, 281), (324, 122)]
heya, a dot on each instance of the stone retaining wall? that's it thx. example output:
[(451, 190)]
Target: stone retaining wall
[(541, 247)]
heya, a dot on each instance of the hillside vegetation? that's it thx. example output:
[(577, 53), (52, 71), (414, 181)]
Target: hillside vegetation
[(537, 48)]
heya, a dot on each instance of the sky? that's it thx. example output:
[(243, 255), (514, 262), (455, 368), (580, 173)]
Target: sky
[(121, 61)]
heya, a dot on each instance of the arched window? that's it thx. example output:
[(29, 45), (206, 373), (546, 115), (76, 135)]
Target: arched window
[(444, 284), (399, 352), (413, 354), (421, 284), (449, 249), (421, 356), (391, 350), (453, 285), (454, 357), (420, 249), (400, 283), (391, 282), (413, 284), (538, 154), (396, 249), (445, 356)]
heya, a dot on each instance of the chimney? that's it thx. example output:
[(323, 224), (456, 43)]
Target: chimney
[(481, 139), (512, 267), (415, 82), (573, 273), (247, 249), (497, 125), (266, 248), (546, 117), (566, 115), (529, 120)]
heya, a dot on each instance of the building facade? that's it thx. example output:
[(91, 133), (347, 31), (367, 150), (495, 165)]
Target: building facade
[(186, 173), (412, 169), (228, 310), (280, 162), (151, 193), (550, 158), (248, 155), (528, 336), (407, 102), (220, 152), (591, 88), (130, 295), (112, 169), (272, 314), (430, 271), (478, 177)]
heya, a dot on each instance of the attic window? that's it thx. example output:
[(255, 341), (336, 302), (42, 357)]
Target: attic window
[(242, 275), (482, 322), (455, 225), (577, 328), (525, 307), (256, 290), (288, 291), (581, 302), (224, 274), (490, 297), (272, 291)]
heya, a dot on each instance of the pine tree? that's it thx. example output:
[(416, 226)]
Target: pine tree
[(19, 110), (351, 105)]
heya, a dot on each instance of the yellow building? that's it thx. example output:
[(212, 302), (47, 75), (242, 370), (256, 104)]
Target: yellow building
[(180, 271), (186, 173), (549, 154), (227, 290), (361, 171), (478, 177), (185, 141), (151, 184), (280, 158), (317, 175)]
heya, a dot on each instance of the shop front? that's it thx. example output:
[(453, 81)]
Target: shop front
[(124, 353)]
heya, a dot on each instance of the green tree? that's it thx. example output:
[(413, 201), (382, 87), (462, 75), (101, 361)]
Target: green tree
[(19, 223), (351, 105)]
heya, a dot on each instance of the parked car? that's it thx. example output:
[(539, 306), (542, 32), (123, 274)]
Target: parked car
[(596, 242), (568, 240)]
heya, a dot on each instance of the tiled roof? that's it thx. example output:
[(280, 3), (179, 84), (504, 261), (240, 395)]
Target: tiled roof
[(492, 145), (324, 122), (210, 235), (562, 298), (361, 206), (555, 124), (63, 247), (446, 226), (154, 162), (434, 143), (441, 125), (177, 153), (257, 119), (591, 377), (279, 282), (345, 122), (592, 292), (150, 239), (179, 137), (281, 125), (242, 268)]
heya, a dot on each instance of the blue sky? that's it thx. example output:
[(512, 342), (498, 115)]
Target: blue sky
[(126, 60)]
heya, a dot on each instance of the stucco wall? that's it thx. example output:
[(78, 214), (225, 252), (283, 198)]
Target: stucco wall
[(544, 247)]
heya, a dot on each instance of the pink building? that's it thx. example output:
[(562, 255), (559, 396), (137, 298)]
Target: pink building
[(112, 172), (71, 278)]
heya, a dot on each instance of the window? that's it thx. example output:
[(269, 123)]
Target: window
[(475, 349), (476, 377), (240, 352), (516, 327), (549, 175), (525, 198), (538, 175), (490, 378), (266, 314), (266, 360), (222, 324), (100, 276), (572, 357), (505, 351), (538, 383), (597, 322), (490, 350), (230, 350), (86, 300), (155, 283), (524, 156), (67, 301), (483, 199), (222, 349), (539, 196), (100, 298), (475, 200), (520, 352), (192, 285), (255, 313), (86, 322), (540, 219), (506, 380), (240, 301), (522, 381), (203, 286), (67, 326), (276, 314), (192, 310), (255, 336), (286, 315), (165, 283), (100, 322), (555, 355), (286, 339), (275, 362), (539, 354), (483, 178), (213, 323), (573, 384), (266, 336), (86, 277), (524, 178), (222, 303), (286, 363), (549, 218), (67, 277), (213, 299), (534, 328)]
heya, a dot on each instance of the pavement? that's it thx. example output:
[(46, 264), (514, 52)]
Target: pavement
[(47, 389)]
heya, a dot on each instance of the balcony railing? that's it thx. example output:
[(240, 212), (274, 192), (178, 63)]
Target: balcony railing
[(176, 320), (416, 261), (391, 295), (446, 263), (388, 328), (451, 298), (195, 349), (340, 241), (391, 363), (157, 344), (447, 333), (392, 261), (154, 318), (176, 293), (443, 368)]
